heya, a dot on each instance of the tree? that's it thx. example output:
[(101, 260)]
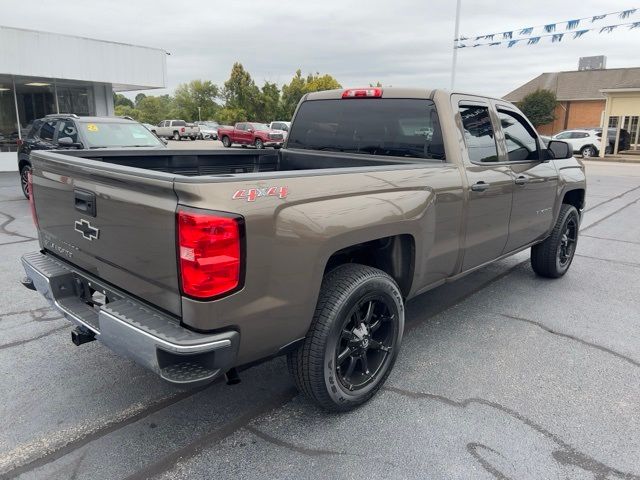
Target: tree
[(119, 99), (126, 111), (196, 94), (539, 107), (154, 109), (269, 105), (230, 116), (299, 86), (139, 97), (241, 92)]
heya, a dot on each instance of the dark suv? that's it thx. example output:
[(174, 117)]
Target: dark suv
[(64, 131)]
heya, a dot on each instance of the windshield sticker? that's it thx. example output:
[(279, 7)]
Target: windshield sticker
[(92, 127)]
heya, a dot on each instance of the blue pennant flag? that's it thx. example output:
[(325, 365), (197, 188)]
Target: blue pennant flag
[(476, 45), (463, 38), (597, 17), (579, 33), (461, 45), (608, 29), (571, 24), (557, 37), (489, 37), (626, 13), (526, 31), (550, 28), (533, 40), (478, 38), (507, 35), (512, 43), (494, 43), (634, 25)]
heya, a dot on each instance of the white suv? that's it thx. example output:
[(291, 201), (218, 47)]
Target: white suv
[(584, 142)]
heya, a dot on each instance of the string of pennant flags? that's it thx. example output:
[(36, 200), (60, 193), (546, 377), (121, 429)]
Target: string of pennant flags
[(552, 30)]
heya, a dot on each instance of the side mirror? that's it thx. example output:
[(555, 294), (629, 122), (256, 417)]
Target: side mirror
[(251, 130), (67, 142), (559, 149)]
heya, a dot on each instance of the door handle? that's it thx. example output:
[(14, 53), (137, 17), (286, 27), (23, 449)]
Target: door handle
[(521, 180), (480, 186)]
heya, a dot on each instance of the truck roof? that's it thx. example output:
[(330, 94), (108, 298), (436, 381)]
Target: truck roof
[(393, 92)]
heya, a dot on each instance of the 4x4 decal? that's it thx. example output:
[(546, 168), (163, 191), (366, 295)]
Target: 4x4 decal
[(251, 194)]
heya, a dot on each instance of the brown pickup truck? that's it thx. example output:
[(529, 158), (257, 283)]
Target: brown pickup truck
[(197, 262)]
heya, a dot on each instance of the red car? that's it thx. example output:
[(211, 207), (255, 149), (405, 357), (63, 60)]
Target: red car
[(249, 133)]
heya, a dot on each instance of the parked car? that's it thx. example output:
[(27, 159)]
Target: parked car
[(249, 133), (282, 126), (587, 141), (68, 131), (176, 130), (208, 130), (310, 252)]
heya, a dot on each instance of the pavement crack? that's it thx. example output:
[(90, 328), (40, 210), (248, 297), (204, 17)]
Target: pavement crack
[(609, 239), (37, 337), (473, 449), (610, 215), (608, 260), (310, 452), (575, 339), (567, 454), (5, 224)]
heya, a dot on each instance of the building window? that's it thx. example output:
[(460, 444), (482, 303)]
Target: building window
[(76, 99), (8, 119)]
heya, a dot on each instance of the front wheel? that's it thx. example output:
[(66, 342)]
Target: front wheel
[(259, 144), (176, 136), (226, 141), (24, 179), (552, 258), (353, 340)]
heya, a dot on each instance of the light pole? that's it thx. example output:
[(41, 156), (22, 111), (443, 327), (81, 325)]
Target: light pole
[(200, 119), (455, 44)]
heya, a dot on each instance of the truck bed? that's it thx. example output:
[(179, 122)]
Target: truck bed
[(193, 163)]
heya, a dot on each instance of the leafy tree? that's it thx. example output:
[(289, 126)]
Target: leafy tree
[(126, 111), (139, 97), (119, 99), (197, 93), (154, 109), (299, 86), (539, 107), (269, 105), (229, 116), (241, 92)]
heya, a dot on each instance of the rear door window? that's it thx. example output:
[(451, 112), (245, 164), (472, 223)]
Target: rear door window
[(478, 133), (48, 130), (386, 127)]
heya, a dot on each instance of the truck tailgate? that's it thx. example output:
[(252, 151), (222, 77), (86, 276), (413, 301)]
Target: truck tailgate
[(117, 224)]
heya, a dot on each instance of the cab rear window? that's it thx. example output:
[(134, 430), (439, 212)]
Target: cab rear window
[(387, 127)]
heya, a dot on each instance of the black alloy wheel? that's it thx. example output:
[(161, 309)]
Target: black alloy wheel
[(366, 342)]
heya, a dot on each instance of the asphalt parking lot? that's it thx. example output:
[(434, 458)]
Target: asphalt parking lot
[(502, 375)]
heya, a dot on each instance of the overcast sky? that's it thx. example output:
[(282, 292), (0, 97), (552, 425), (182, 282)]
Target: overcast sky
[(396, 42)]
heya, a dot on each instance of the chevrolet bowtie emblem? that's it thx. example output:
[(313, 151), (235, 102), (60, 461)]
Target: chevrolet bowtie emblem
[(88, 232)]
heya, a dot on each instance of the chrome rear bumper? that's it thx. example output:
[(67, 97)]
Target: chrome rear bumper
[(127, 326)]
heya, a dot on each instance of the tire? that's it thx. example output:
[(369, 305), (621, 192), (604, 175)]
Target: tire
[(176, 136), (359, 317), (226, 141), (588, 151), (552, 258), (193, 139), (24, 179), (259, 144)]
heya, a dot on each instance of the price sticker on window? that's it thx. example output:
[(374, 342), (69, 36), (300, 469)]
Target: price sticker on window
[(92, 127)]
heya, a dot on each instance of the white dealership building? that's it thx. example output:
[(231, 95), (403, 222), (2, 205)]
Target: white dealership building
[(45, 73)]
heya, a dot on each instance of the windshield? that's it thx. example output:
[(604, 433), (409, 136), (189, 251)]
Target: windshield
[(112, 134), (390, 127)]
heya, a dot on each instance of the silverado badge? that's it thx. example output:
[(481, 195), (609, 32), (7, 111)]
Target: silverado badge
[(88, 231)]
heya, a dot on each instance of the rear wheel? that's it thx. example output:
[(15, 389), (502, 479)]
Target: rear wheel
[(24, 179), (588, 151), (192, 138), (176, 136), (259, 144), (226, 141), (552, 258), (353, 340)]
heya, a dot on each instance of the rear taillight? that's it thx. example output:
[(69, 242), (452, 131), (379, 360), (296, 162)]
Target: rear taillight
[(209, 252), (19, 142), (32, 203), (182, 130), (362, 93)]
